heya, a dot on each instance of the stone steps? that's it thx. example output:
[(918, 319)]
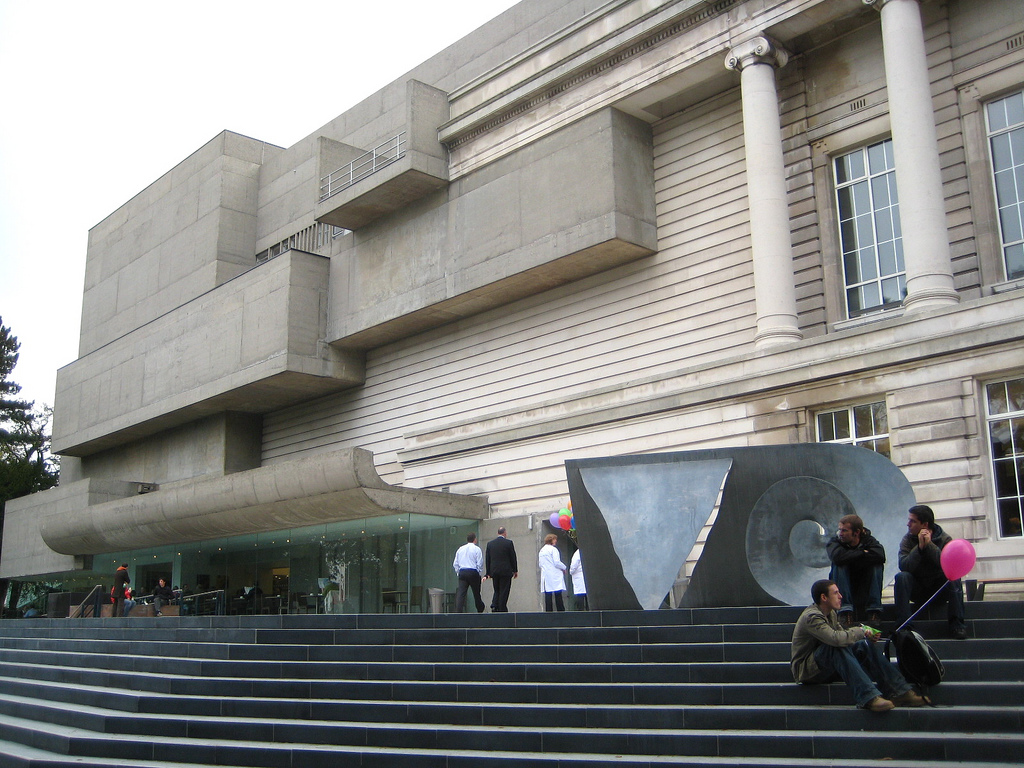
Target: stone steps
[(707, 687)]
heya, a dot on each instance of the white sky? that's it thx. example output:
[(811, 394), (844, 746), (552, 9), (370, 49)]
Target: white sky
[(98, 99)]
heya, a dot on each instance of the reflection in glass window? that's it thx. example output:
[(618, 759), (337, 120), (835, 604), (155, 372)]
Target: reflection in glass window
[(1005, 119), (869, 229), (368, 565), (865, 425), (1004, 404)]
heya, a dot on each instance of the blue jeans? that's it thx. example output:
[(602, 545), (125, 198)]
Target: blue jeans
[(863, 667), (866, 580), (909, 588)]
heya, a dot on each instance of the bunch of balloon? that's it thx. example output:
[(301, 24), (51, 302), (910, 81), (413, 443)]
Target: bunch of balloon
[(563, 519)]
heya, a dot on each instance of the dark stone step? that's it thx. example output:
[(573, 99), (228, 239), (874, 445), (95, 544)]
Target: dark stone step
[(288, 633), (128, 737), (452, 623), (124, 669), (190, 696), (1000, 647)]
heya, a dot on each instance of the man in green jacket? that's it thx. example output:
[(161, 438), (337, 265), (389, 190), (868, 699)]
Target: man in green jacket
[(824, 652)]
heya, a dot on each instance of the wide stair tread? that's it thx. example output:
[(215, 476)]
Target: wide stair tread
[(548, 744)]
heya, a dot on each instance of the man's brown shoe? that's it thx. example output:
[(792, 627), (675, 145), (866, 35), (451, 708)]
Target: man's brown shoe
[(846, 619), (908, 699), (875, 619), (878, 704)]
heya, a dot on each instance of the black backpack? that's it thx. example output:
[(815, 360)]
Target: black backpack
[(916, 659)]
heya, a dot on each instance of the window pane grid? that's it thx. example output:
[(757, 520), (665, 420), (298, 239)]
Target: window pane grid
[(869, 229), (864, 425), (1004, 407), (1005, 119)]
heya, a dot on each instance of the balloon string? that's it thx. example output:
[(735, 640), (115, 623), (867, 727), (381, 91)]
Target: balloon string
[(923, 606)]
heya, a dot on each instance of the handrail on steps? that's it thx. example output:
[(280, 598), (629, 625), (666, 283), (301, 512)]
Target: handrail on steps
[(94, 595)]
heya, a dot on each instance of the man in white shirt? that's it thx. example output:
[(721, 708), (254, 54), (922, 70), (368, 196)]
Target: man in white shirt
[(469, 565)]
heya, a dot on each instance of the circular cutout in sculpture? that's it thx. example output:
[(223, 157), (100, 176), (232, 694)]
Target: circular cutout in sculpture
[(786, 535)]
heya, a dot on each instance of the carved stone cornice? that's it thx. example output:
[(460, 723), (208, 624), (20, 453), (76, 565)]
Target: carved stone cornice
[(548, 83), (759, 50)]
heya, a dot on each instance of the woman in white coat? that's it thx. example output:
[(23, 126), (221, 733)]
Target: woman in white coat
[(579, 583), (552, 574)]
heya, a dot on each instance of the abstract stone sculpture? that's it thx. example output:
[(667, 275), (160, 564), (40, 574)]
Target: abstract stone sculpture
[(638, 518)]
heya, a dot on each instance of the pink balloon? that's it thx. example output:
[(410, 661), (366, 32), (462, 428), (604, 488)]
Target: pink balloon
[(564, 522), (554, 520), (957, 559)]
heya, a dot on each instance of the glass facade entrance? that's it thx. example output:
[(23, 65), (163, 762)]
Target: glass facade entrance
[(371, 565)]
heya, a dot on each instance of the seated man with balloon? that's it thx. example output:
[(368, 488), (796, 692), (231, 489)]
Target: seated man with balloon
[(932, 564)]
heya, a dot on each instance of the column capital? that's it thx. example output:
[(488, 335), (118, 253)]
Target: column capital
[(879, 4), (758, 50)]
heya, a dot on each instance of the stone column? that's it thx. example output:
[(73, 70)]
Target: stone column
[(926, 252), (774, 290)]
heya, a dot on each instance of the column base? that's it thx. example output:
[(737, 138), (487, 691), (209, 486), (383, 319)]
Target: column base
[(930, 297), (776, 336)]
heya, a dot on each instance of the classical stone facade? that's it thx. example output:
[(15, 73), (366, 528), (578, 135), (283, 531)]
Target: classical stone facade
[(584, 230)]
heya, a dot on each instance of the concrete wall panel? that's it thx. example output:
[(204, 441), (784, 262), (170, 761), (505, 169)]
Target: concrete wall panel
[(177, 229)]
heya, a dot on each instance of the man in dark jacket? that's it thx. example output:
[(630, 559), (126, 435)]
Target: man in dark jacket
[(857, 560), (162, 595), (121, 580), (921, 572), (501, 567)]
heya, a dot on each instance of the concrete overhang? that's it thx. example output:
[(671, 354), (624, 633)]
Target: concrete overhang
[(325, 488), (535, 220), (606, 242), (253, 344), (412, 176)]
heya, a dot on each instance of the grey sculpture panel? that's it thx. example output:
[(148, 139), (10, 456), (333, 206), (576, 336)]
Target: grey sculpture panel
[(682, 494), (639, 516)]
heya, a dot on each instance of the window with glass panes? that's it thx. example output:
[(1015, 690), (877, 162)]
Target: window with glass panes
[(1005, 119), (1004, 405), (869, 229), (866, 425)]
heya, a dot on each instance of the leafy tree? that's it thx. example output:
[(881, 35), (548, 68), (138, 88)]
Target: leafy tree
[(26, 464)]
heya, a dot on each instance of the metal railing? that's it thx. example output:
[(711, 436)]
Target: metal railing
[(314, 239), (205, 603), (380, 156), (199, 604), (94, 596)]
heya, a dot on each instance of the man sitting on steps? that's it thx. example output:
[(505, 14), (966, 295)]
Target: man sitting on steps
[(857, 561), (824, 652), (162, 595)]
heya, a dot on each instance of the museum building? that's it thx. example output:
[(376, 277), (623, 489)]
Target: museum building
[(586, 229)]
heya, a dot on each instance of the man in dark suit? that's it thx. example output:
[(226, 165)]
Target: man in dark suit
[(501, 567)]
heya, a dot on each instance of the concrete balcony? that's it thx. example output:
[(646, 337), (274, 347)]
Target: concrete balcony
[(359, 186), (532, 221), (253, 344)]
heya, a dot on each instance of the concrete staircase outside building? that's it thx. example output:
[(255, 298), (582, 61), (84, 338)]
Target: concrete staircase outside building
[(707, 687)]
